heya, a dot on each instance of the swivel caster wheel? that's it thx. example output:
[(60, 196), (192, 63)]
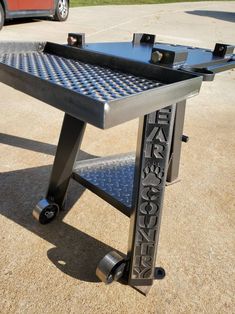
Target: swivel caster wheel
[(111, 267), (45, 211)]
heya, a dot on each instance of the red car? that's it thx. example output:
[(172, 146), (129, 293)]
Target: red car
[(9, 9)]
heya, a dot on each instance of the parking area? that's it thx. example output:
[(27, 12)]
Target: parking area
[(51, 269)]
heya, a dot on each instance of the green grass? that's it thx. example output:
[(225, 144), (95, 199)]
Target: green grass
[(76, 3)]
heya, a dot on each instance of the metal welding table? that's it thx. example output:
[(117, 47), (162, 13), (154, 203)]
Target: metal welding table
[(105, 85)]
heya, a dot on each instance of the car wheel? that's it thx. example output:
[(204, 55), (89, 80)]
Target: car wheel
[(2, 16), (62, 10)]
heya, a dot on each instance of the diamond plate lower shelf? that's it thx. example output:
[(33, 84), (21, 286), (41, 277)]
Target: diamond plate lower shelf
[(111, 178)]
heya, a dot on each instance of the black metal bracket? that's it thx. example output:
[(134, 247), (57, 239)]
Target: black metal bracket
[(140, 38), (185, 138), (76, 40), (223, 50), (174, 56)]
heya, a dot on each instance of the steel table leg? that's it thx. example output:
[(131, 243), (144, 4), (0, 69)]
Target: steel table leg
[(154, 142), (68, 147), (174, 162)]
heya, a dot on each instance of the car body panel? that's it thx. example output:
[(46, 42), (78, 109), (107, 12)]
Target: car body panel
[(28, 8), (34, 4), (12, 5)]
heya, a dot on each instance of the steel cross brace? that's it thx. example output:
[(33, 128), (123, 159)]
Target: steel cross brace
[(67, 150)]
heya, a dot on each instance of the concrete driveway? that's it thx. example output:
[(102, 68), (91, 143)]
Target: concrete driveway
[(51, 269)]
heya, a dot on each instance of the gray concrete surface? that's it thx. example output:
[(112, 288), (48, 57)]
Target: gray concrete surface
[(50, 269)]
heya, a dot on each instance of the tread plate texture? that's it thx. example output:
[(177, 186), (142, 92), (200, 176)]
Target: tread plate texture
[(97, 82), (110, 177)]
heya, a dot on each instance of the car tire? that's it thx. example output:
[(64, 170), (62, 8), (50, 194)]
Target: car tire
[(62, 10), (2, 16)]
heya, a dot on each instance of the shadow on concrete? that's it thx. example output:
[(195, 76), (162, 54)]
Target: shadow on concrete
[(75, 253), (25, 143), (221, 15), (20, 21), (27, 20)]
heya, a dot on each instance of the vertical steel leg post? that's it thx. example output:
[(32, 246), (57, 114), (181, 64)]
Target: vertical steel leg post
[(174, 162), (154, 142), (69, 144)]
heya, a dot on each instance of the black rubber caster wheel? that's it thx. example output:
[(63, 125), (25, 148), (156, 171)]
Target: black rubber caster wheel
[(45, 211), (111, 267), (159, 273)]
